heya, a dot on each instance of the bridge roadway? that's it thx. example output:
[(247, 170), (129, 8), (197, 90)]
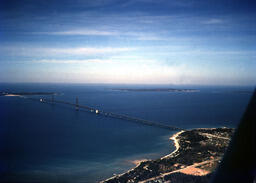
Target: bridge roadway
[(110, 114)]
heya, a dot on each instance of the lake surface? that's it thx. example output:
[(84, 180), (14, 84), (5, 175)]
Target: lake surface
[(55, 143)]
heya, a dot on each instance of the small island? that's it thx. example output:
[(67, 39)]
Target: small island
[(156, 90), (197, 154)]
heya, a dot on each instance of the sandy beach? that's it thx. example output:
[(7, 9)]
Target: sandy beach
[(138, 161), (12, 95), (176, 143)]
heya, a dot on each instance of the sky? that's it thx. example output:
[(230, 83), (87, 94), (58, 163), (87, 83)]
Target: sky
[(204, 42)]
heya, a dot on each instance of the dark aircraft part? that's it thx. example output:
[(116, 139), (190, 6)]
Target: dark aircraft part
[(238, 164)]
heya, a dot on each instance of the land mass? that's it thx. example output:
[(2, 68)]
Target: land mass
[(156, 90), (25, 93), (197, 154)]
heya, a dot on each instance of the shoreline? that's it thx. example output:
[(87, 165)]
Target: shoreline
[(18, 94), (118, 175), (174, 90), (183, 160), (138, 162), (176, 144)]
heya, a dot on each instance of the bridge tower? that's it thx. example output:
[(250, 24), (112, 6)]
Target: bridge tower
[(77, 106)]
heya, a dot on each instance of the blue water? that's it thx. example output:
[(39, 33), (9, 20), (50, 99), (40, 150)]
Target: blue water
[(54, 143)]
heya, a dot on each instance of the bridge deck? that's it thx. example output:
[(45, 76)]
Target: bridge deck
[(113, 115)]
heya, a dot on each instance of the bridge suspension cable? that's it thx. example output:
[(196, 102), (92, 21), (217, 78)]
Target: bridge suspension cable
[(109, 114)]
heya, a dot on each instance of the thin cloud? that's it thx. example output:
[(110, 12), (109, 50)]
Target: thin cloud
[(37, 51), (150, 38), (140, 35), (89, 50), (54, 61), (213, 21), (111, 60), (82, 33)]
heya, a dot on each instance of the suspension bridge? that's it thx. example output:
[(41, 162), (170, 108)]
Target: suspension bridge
[(96, 111)]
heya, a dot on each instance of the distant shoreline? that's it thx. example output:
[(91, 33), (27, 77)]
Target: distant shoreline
[(197, 153), (156, 90), (18, 94)]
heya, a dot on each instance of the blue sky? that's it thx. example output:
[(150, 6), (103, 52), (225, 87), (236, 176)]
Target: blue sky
[(132, 41)]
